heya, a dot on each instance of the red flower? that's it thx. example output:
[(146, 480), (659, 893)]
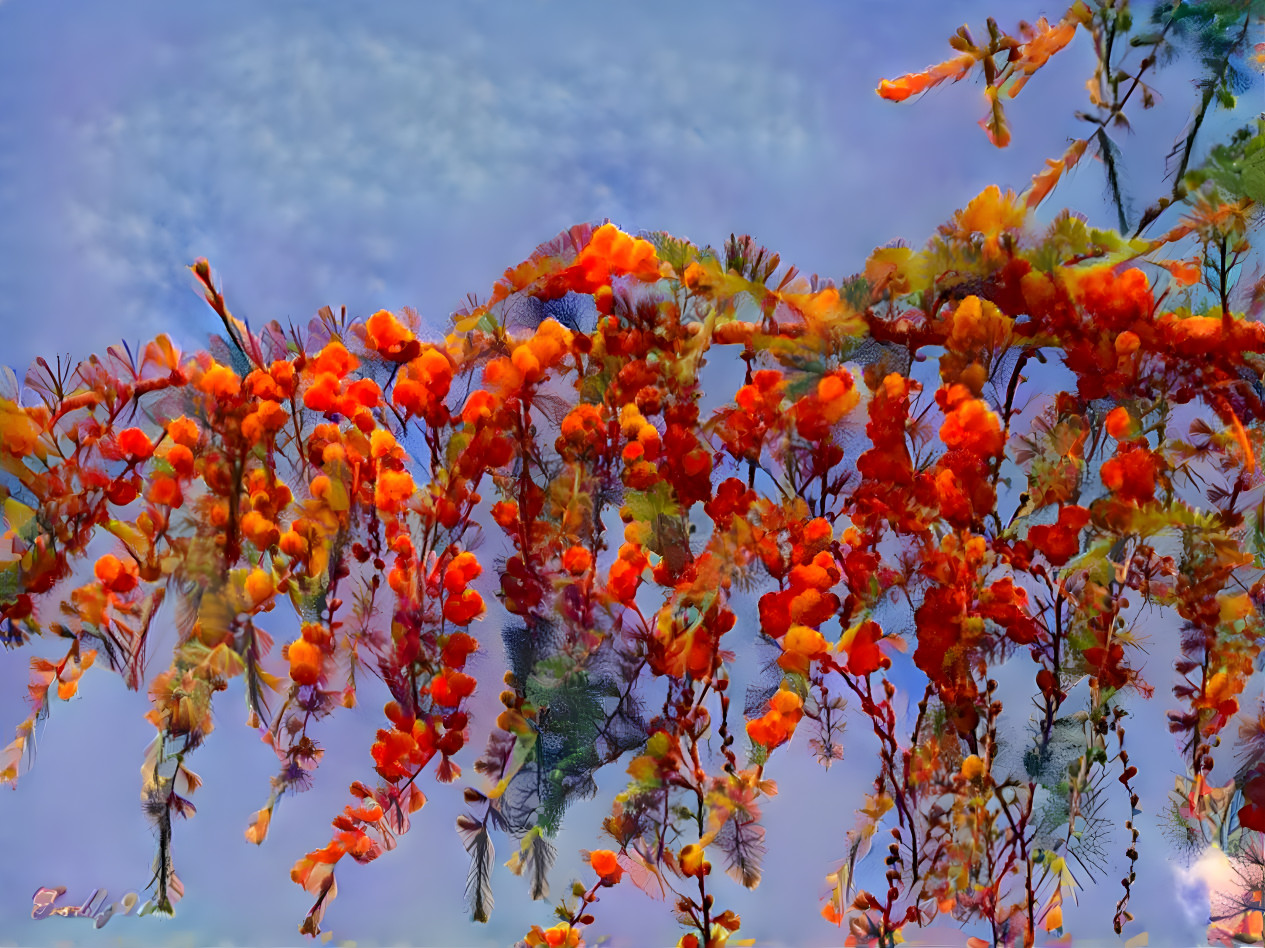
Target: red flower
[(864, 656), (450, 687), (1060, 541), (464, 607), (134, 443), (1130, 475)]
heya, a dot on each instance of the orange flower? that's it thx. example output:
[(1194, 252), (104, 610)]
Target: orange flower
[(392, 753), (801, 646), (834, 397), (164, 491), (1116, 303), (525, 361), (861, 644), (323, 393), (778, 723), (606, 865), (259, 530), (266, 419), (577, 560), (611, 252), (115, 575), (973, 767), (450, 687), (183, 431), (505, 513), (1060, 541), (463, 608), (989, 214), (479, 405), (220, 381), (972, 426), (898, 90), (305, 662), (393, 490), (181, 460), (316, 633), (334, 358), (582, 430), (625, 573), (561, 935), (363, 393), (457, 649), (1130, 475), (391, 338), (979, 324), (262, 385), (1119, 423), (424, 385), (463, 570), (692, 862), (433, 369), (293, 544), (133, 442), (502, 375), (259, 587)]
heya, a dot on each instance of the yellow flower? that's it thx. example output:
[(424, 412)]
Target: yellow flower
[(973, 767)]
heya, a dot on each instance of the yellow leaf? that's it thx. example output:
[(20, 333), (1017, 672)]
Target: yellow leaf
[(258, 829), (269, 679), (19, 434), (17, 514), (1234, 608), (130, 535), (645, 770)]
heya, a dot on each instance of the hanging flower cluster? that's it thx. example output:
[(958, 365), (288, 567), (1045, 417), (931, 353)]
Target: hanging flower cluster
[(876, 527)]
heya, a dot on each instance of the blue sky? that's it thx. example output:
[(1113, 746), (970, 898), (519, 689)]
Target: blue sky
[(386, 154)]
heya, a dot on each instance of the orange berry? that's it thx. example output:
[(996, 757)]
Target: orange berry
[(114, 574), (259, 587), (305, 662), (577, 560)]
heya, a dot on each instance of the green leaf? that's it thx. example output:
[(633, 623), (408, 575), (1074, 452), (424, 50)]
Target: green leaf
[(1238, 167), (648, 505)]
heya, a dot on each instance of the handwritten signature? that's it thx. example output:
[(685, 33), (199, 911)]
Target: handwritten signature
[(43, 905)]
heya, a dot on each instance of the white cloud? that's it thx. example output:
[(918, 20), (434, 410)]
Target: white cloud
[(1201, 882), (293, 147)]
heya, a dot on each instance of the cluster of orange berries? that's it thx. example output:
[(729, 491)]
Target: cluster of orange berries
[(807, 600), (423, 385), (642, 452), (777, 724), (308, 653), (330, 392)]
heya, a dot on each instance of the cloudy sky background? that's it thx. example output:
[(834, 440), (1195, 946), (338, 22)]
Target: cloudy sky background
[(386, 154)]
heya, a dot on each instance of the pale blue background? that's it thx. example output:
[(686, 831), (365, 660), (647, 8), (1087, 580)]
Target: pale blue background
[(386, 154)]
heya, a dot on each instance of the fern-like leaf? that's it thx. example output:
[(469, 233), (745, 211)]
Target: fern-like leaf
[(478, 843)]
